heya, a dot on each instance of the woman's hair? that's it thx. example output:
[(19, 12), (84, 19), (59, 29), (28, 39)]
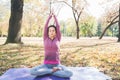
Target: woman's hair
[(52, 26)]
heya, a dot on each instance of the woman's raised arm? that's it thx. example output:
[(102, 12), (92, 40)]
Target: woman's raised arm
[(58, 28), (45, 27)]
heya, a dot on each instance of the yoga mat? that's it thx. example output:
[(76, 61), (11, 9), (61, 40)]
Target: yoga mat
[(79, 73)]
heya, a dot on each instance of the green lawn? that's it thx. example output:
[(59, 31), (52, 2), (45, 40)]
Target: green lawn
[(103, 54)]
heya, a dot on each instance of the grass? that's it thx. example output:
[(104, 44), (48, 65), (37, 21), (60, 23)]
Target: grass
[(103, 54)]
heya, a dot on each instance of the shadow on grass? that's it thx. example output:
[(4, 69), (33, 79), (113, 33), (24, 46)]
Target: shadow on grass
[(13, 56), (88, 46)]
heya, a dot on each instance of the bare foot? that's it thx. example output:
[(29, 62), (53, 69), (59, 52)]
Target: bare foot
[(56, 69)]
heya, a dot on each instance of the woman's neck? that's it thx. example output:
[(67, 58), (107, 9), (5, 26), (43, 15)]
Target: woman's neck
[(51, 38)]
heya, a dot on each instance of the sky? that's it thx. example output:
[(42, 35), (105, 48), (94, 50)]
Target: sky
[(94, 8), (65, 12)]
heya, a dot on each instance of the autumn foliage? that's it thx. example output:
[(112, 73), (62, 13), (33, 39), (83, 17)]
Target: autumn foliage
[(102, 54)]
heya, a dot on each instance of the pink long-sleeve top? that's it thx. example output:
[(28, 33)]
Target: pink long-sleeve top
[(52, 46)]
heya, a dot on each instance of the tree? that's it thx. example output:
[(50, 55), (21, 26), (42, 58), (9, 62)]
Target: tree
[(77, 11), (77, 8), (112, 18), (4, 17), (88, 26), (98, 28), (119, 25), (15, 21)]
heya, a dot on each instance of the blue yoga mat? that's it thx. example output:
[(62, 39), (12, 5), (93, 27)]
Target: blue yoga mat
[(79, 73)]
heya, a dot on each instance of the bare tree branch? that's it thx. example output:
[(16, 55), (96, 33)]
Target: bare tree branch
[(80, 13), (109, 21), (50, 6), (107, 28), (76, 15), (115, 12), (115, 18), (66, 4)]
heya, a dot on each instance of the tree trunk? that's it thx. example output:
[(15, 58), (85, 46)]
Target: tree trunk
[(107, 28), (77, 24), (15, 21), (78, 30), (119, 25)]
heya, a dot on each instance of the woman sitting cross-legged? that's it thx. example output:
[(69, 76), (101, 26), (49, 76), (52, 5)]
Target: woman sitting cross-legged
[(51, 65)]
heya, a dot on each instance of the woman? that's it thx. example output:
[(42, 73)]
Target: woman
[(52, 37)]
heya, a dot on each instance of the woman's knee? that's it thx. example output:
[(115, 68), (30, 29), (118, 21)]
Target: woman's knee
[(69, 73), (32, 71), (63, 73)]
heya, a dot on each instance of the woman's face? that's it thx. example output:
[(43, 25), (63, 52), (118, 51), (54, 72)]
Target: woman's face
[(51, 33)]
